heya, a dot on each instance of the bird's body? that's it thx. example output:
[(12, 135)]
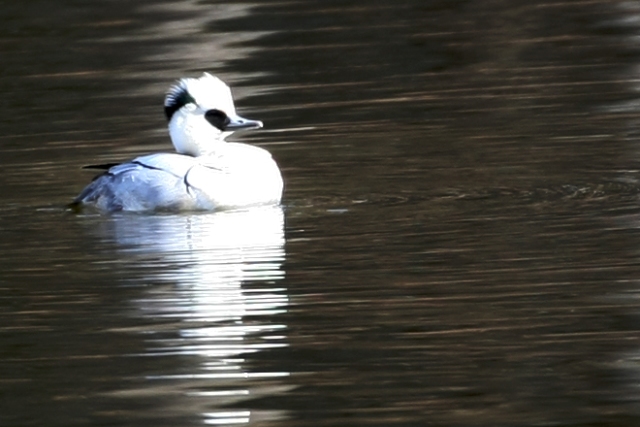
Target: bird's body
[(206, 173)]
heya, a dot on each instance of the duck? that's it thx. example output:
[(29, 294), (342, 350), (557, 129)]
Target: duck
[(206, 172)]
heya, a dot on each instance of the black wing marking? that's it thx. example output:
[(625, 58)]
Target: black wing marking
[(102, 166)]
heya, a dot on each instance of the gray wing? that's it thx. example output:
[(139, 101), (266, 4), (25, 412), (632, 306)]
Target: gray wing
[(146, 183)]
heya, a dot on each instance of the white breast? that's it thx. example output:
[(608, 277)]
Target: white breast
[(238, 175)]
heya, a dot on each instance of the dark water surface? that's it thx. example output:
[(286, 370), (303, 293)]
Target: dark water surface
[(459, 243)]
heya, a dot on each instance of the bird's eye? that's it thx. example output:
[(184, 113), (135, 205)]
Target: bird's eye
[(217, 118)]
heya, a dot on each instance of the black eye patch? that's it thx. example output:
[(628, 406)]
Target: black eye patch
[(217, 119)]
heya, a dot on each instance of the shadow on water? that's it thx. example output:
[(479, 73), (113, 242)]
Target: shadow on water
[(212, 290), (461, 217)]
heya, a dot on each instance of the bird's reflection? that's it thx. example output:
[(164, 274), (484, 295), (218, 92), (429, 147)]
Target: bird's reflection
[(211, 291)]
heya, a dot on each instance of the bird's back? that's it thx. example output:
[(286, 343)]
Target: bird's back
[(236, 176)]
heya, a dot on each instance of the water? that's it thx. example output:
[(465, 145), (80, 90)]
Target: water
[(458, 244)]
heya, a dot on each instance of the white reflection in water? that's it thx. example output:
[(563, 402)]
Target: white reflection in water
[(214, 295)]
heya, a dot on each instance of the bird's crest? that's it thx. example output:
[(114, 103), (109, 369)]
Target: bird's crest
[(208, 92)]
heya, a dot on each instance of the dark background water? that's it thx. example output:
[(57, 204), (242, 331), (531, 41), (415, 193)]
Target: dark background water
[(459, 242)]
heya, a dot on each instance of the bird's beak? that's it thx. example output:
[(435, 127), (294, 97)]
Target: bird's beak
[(237, 123)]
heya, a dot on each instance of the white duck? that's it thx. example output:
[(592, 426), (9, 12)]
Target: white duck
[(208, 173)]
